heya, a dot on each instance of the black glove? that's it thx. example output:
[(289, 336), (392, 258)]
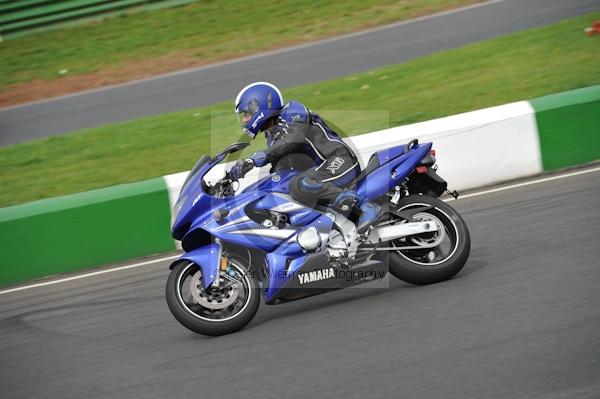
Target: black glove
[(240, 168)]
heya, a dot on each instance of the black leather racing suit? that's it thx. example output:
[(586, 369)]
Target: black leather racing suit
[(300, 131)]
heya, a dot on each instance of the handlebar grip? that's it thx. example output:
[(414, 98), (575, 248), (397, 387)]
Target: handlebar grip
[(248, 165)]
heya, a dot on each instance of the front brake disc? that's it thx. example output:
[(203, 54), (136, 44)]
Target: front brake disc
[(218, 300)]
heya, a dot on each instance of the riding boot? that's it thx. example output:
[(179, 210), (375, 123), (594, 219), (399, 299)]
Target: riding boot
[(369, 212)]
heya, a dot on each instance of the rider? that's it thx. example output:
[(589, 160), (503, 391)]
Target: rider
[(293, 128)]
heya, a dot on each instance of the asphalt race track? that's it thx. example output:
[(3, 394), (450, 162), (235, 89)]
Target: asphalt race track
[(291, 67), (522, 320)]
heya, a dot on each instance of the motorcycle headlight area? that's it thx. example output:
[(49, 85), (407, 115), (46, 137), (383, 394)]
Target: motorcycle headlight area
[(309, 239)]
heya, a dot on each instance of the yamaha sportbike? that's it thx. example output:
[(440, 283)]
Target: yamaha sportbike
[(241, 245)]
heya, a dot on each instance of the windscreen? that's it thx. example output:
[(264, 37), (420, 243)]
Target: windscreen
[(204, 159)]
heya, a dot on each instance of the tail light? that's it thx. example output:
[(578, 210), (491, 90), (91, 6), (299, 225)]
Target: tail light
[(432, 152), (421, 169)]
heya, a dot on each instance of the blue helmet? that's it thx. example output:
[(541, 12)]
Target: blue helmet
[(255, 104)]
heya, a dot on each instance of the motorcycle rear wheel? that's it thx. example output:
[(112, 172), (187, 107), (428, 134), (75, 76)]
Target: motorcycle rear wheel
[(438, 263)]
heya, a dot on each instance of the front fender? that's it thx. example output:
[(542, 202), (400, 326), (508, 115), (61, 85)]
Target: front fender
[(207, 258)]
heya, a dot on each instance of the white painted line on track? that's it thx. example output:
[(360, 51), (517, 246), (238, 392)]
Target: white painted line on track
[(140, 264), (115, 269), (527, 183)]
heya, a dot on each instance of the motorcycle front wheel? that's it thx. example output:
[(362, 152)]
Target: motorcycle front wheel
[(429, 258), (217, 310)]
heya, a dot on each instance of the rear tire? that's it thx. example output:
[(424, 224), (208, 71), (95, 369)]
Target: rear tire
[(203, 320), (431, 265)]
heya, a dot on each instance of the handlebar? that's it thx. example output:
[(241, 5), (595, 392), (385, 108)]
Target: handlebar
[(224, 186)]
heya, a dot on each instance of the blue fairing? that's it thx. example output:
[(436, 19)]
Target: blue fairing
[(279, 270), (191, 193), (391, 173), (241, 216), (390, 153), (230, 229), (276, 182)]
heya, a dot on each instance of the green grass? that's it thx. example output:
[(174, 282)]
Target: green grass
[(207, 30), (519, 66)]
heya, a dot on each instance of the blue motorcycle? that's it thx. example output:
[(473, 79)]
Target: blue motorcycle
[(243, 244)]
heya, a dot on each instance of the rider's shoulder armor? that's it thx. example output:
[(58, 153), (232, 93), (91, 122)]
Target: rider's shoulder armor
[(293, 112)]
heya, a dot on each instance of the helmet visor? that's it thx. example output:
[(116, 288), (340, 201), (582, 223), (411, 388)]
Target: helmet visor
[(246, 111), (244, 117)]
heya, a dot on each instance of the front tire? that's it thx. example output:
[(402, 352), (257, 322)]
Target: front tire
[(428, 265), (212, 311)]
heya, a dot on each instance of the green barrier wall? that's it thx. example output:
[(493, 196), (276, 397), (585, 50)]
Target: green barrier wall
[(569, 127), (84, 230)]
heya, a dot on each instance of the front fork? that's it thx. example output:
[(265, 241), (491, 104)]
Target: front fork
[(208, 259)]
